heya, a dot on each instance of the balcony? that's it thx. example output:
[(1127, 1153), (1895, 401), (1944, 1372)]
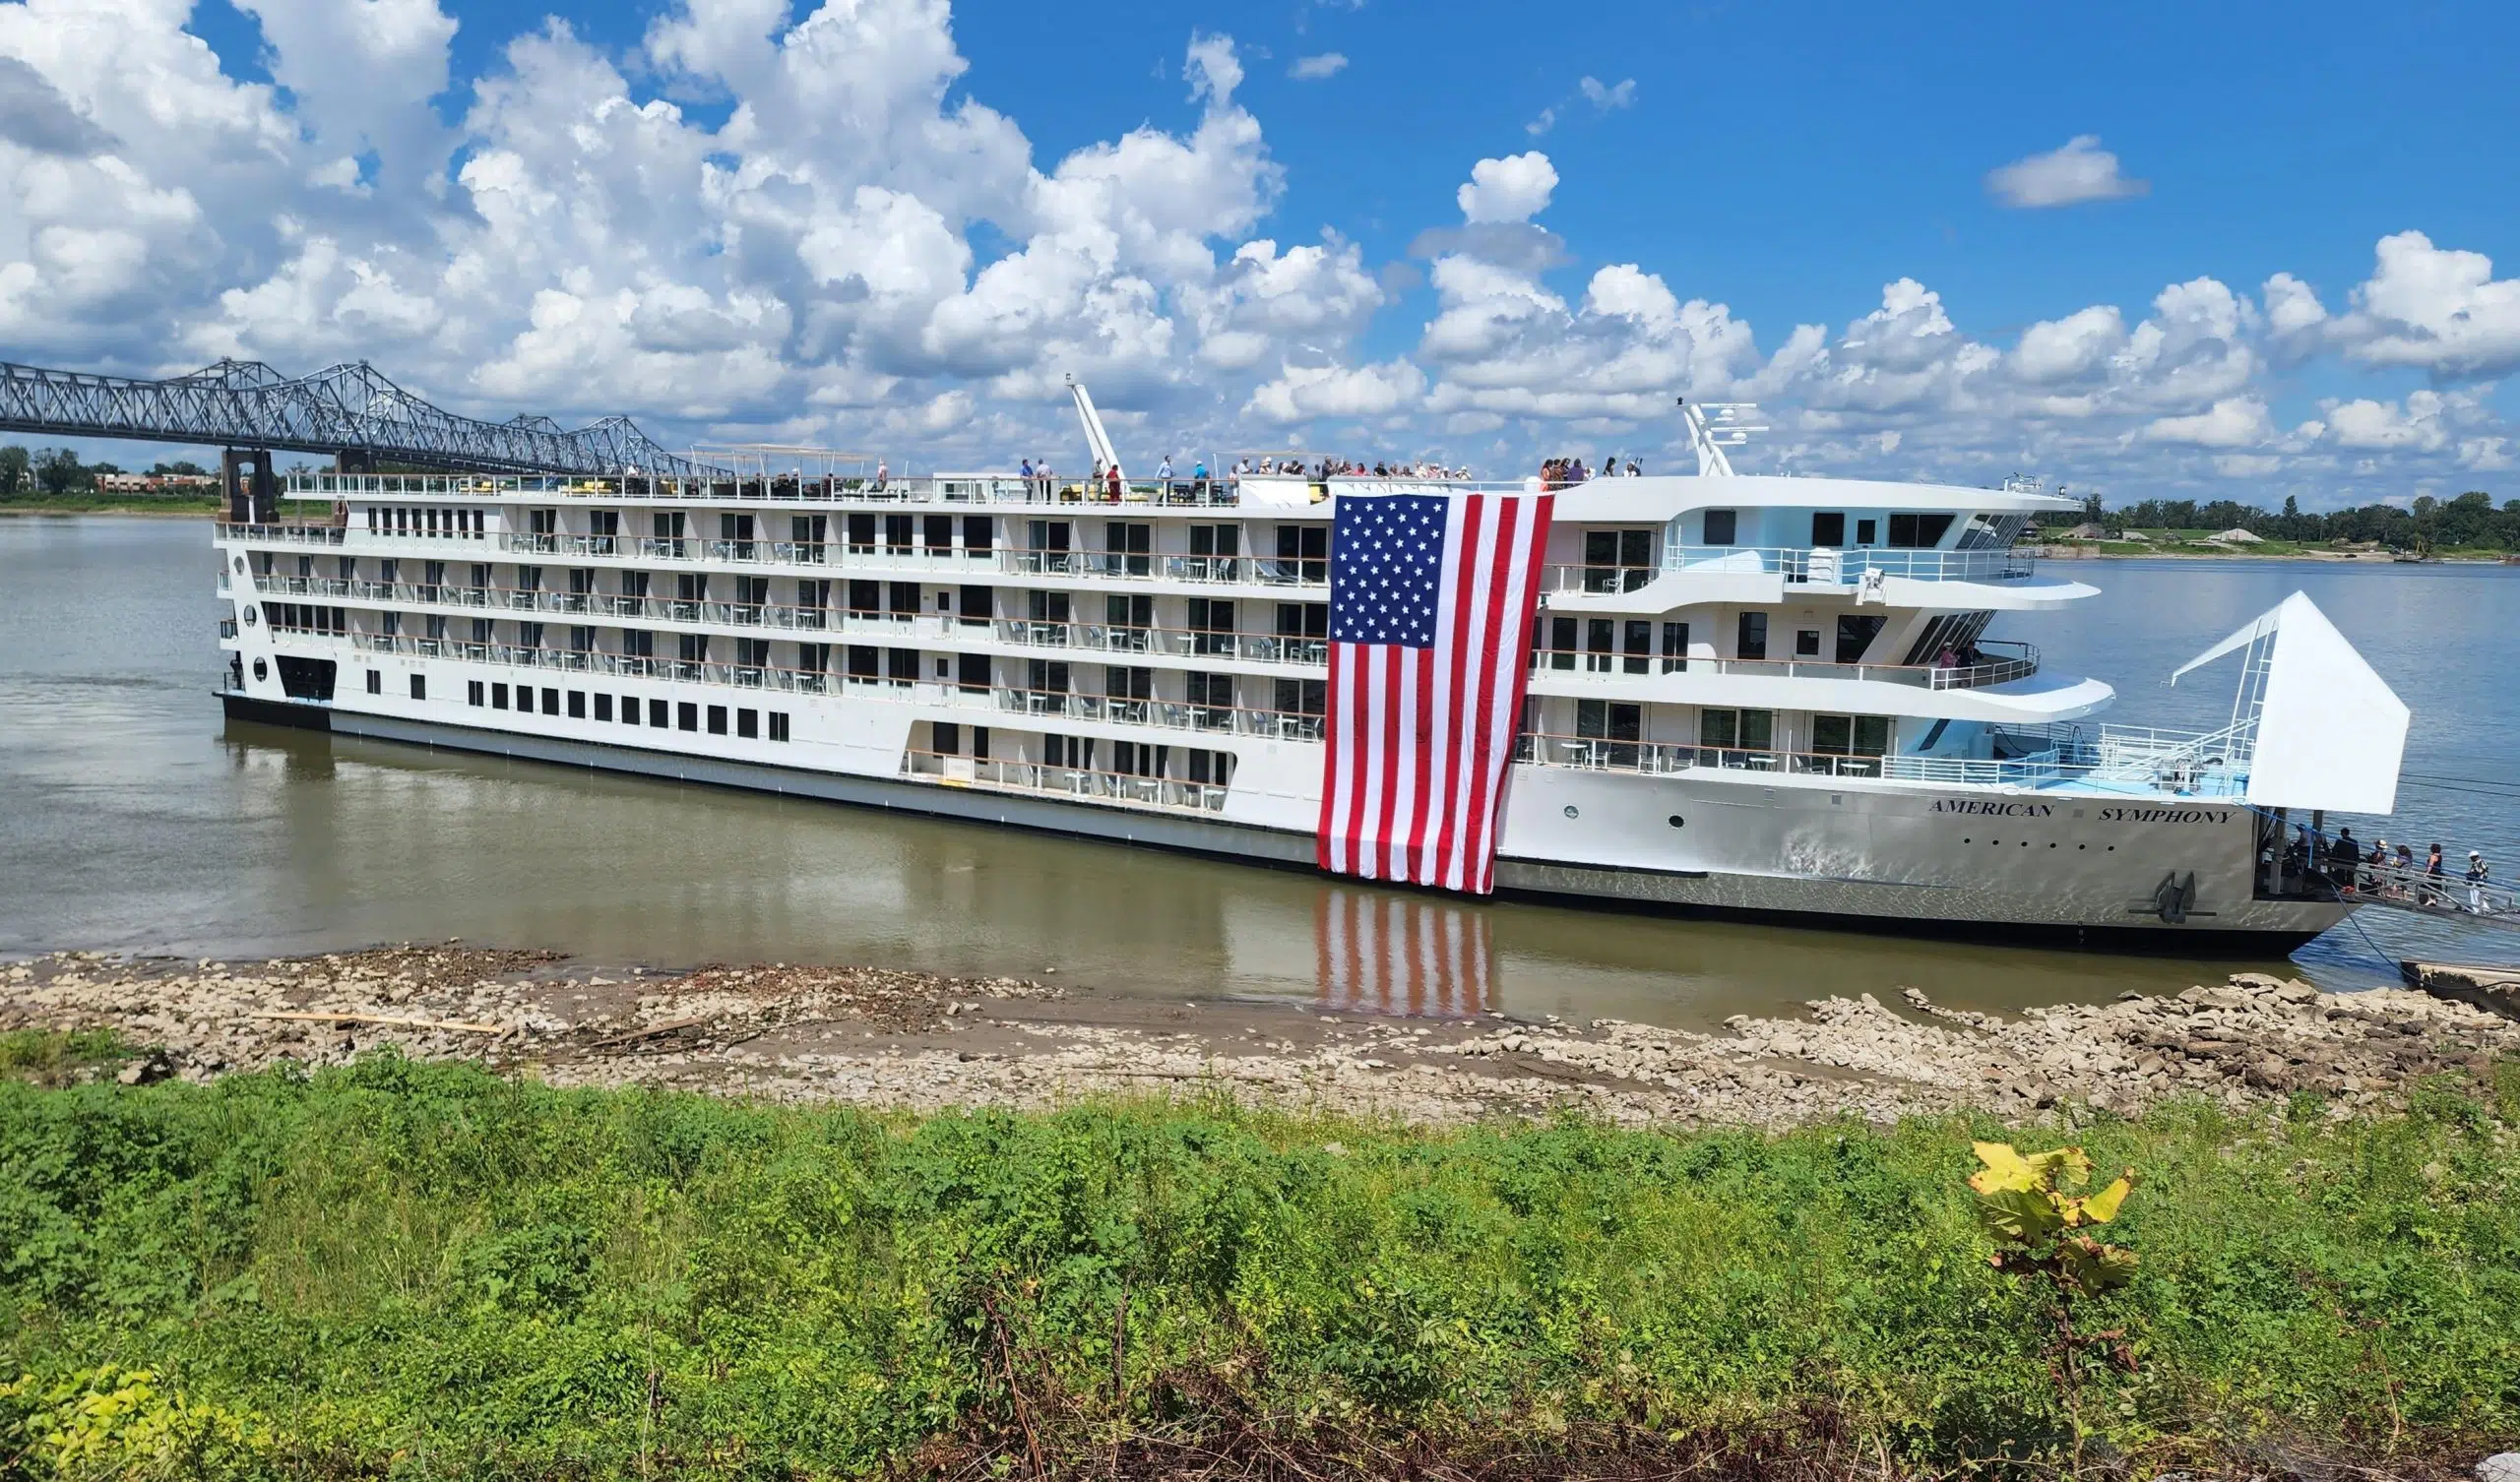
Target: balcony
[(1065, 782), (1800, 566), (954, 489), (1181, 716), (2009, 661)]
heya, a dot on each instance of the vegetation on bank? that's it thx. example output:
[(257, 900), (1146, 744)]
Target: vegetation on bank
[(2469, 524), (426, 1270)]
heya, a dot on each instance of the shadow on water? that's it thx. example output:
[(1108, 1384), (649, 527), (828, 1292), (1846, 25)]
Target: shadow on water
[(137, 820)]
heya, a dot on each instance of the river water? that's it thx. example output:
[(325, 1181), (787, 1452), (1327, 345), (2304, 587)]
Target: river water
[(133, 817)]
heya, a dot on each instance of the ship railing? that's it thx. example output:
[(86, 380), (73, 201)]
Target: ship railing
[(1174, 715), (2019, 661), (1246, 570), (285, 534), (902, 489), (1223, 719), (1065, 781), (1800, 566), (1098, 637), (1665, 758)]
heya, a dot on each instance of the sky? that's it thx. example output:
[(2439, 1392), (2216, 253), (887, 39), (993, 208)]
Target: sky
[(2233, 251)]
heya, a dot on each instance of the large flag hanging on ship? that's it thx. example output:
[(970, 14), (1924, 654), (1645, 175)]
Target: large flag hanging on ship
[(1431, 631)]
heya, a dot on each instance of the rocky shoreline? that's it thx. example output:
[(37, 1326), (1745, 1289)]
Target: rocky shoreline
[(880, 1037)]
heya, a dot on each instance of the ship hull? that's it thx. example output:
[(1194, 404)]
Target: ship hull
[(2061, 870)]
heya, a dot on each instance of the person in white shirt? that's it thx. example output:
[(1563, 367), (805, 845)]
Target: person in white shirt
[(1164, 470)]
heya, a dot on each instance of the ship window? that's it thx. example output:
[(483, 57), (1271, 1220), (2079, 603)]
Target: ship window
[(1828, 531), (1855, 636), (376, 685), (577, 705), (686, 715), (970, 670), (937, 532), (1212, 768), (1562, 642), (1918, 531), (979, 534), (656, 713), (498, 696), (1735, 730), (603, 706), (1676, 647), (1850, 735), (1597, 646), (945, 738), (419, 687), (1866, 532), (1753, 642), (748, 724), (897, 533), (778, 726), (1302, 696), (901, 666), (1806, 643), (717, 719), (1720, 525), (1638, 650), (550, 701)]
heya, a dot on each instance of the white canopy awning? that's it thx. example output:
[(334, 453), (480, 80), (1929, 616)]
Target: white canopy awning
[(2330, 731)]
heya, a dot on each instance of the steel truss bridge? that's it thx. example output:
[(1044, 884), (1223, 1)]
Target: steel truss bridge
[(350, 412)]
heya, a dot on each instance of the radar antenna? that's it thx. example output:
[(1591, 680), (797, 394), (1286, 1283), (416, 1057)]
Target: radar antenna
[(1714, 426)]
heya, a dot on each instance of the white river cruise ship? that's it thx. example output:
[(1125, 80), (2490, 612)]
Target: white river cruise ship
[(1782, 695)]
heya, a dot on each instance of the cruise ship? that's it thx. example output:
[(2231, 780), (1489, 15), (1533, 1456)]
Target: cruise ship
[(1772, 696)]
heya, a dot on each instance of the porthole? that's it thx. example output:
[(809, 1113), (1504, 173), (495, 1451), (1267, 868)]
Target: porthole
[(260, 671), (240, 565), (1676, 821), (1572, 811), (249, 614)]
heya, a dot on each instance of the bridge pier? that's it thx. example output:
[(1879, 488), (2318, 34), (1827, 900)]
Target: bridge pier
[(253, 489)]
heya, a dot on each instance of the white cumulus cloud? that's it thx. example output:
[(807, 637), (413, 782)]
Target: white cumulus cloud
[(2078, 170), (1313, 69), (1515, 188)]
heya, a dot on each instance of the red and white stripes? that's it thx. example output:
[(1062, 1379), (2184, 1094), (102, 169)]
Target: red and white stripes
[(1419, 738)]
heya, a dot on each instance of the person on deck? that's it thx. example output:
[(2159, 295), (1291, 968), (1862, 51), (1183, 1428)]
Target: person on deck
[(1112, 482), (2342, 857), (2433, 871), (2478, 878)]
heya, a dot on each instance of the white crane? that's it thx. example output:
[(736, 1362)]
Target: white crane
[(1097, 441)]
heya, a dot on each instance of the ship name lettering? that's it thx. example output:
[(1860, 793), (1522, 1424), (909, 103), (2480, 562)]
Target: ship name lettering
[(2165, 815), (1989, 807)]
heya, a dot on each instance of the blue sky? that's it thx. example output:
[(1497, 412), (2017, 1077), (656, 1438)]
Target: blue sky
[(498, 223)]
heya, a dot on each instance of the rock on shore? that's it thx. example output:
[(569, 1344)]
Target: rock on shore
[(889, 1038)]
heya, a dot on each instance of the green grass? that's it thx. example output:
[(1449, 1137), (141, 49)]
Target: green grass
[(99, 504), (46, 1058), (426, 1270)]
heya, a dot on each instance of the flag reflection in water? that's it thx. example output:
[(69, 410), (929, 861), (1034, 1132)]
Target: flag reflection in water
[(1384, 952)]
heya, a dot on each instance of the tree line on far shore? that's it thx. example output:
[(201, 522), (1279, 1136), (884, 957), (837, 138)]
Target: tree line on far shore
[(2470, 521), (59, 473)]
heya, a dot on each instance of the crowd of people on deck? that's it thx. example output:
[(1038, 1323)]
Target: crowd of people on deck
[(2386, 872), (1559, 472)]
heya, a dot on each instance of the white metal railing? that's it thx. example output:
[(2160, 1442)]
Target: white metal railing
[(1067, 781), (811, 622), (2021, 662), (899, 489), (1221, 719), (1820, 567)]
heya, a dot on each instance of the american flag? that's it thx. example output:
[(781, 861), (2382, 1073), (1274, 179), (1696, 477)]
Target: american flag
[(1385, 953), (1430, 620)]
